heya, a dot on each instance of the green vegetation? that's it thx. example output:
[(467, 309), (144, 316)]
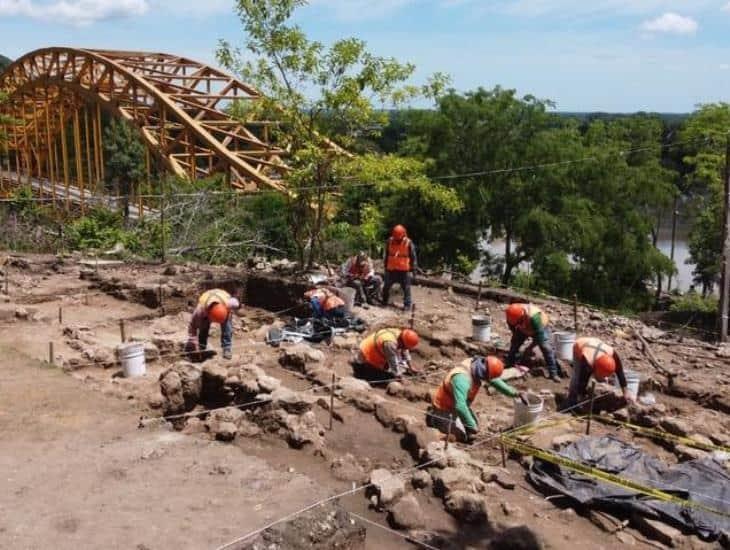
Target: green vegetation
[(693, 302), (4, 62)]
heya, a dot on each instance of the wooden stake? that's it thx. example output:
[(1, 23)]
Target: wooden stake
[(332, 399), (479, 297), (60, 315), (448, 433), (7, 282), (504, 453), (50, 353), (413, 315), (590, 411), (121, 330), (575, 313), (86, 298)]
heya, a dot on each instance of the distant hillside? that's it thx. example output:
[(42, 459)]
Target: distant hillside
[(668, 118), (4, 62)]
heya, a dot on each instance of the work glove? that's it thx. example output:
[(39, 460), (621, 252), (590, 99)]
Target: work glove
[(471, 434)]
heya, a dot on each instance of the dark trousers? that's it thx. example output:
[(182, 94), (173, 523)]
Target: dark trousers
[(402, 278), (226, 334), (545, 346), (366, 290)]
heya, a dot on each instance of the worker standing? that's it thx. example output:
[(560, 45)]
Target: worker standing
[(358, 273), (593, 357), (400, 264), (386, 351), (528, 321), (214, 306), (451, 402), (326, 303)]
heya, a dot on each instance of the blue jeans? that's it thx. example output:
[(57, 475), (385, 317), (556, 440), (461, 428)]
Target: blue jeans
[(518, 338), (226, 334)]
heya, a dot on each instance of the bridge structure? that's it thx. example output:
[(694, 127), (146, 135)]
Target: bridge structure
[(59, 98)]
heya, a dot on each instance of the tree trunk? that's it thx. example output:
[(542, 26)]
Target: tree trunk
[(508, 267)]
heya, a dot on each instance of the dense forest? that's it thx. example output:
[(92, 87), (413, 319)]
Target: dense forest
[(576, 196)]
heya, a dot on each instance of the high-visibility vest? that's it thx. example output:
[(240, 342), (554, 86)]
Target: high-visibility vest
[(214, 296), (372, 347), (328, 300), (525, 325), (358, 271), (399, 255), (590, 349), (443, 397)]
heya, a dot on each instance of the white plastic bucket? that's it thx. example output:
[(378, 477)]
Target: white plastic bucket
[(348, 295), (530, 413), (633, 380), (132, 358), (563, 343), (481, 328)]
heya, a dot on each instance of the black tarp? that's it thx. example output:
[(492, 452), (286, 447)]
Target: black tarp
[(705, 482)]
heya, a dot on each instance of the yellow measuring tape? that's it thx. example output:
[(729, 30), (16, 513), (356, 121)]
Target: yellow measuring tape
[(613, 479)]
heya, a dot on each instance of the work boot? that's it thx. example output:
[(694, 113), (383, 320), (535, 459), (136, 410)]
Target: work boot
[(227, 354), (555, 377)]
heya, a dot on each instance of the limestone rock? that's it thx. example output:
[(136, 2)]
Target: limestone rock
[(565, 439), (291, 401), (467, 507), (387, 486), (268, 383), (685, 452), (297, 356), (386, 412), (451, 457), (346, 468), (407, 514), (450, 480), (395, 389), (304, 430), (421, 479), (516, 538), (225, 431), (658, 530), (351, 385), (675, 426)]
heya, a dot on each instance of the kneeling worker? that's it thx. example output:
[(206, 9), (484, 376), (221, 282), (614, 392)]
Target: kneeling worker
[(457, 391), (528, 321), (386, 351), (593, 357), (325, 303), (214, 306)]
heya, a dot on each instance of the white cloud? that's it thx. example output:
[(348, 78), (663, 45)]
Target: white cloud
[(726, 7), (355, 10), (76, 12), (671, 23)]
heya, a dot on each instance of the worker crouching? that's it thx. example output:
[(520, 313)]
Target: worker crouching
[(593, 357), (326, 303), (451, 410), (358, 273), (386, 354), (528, 321), (214, 306)]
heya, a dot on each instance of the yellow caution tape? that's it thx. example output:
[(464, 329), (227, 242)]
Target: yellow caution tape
[(600, 475)]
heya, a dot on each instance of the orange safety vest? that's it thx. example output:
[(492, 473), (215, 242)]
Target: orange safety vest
[(328, 299), (443, 397), (214, 296), (372, 348), (358, 271), (525, 325), (590, 349), (399, 255)]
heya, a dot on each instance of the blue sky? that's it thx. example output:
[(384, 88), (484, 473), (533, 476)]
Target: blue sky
[(609, 55)]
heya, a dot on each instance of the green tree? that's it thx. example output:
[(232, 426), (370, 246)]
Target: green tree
[(314, 91), (706, 132), (125, 157)]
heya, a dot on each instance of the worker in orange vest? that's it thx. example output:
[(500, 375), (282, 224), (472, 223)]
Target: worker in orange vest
[(451, 402), (528, 321), (386, 352), (358, 273), (214, 306), (326, 302), (593, 357), (400, 263)]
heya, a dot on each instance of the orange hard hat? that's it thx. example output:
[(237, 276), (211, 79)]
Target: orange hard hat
[(495, 367), (409, 338), (515, 312), (399, 232), (218, 313), (604, 366)]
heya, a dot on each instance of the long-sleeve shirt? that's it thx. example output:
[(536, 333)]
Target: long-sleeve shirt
[(460, 386), (395, 357), (200, 314), (365, 271)]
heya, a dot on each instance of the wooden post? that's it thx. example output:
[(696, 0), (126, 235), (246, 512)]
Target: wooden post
[(78, 154), (724, 303), (163, 253), (448, 433), (504, 453), (479, 297), (590, 410), (575, 313), (332, 398), (64, 156), (413, 316), (7, 278), (51, 357), (675, 214), (86, 298), (121, 330), (89, 163), (60, 315), (100, 142)]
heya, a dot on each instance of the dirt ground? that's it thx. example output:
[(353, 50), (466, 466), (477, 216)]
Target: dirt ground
[(85, 465)]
